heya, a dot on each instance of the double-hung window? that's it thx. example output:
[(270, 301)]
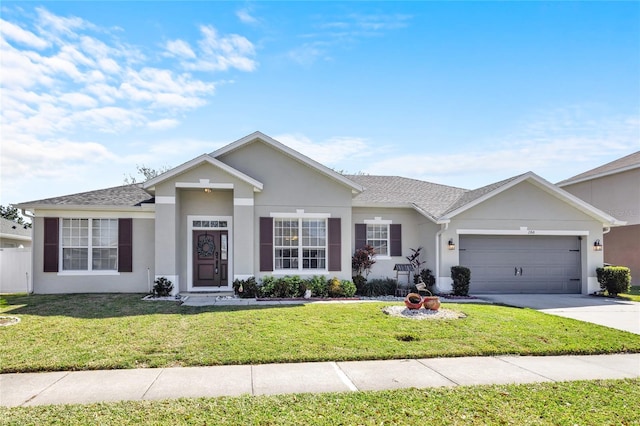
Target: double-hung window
[(378, 238), (89, 244), (300, 244)]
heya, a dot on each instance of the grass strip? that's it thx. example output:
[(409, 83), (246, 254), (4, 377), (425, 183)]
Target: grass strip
[(567, 403)]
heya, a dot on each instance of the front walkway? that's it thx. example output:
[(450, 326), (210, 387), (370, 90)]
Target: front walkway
[(27, 389), (615, 313)]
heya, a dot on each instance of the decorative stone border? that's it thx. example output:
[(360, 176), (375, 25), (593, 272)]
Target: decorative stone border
[(6, 321), (422, 314)]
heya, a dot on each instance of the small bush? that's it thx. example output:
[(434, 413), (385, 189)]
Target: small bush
[(281, 287), (318, 286), (162, 287), (246, 288), (342, 288), (427, 278), (461, 276), (377, 287), (360, 283), (614, 279)]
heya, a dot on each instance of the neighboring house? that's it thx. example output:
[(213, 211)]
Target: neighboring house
[(257, 207), (14, 235), (615, 189)]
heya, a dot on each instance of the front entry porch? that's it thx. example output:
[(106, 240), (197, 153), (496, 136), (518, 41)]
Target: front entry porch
[(209, 254)]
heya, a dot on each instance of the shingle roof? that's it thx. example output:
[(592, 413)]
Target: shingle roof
[(9, 227), (434, 199), (470, 196), (628, 162), (117, 196)]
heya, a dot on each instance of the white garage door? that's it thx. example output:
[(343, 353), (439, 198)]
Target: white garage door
[(522, 264)]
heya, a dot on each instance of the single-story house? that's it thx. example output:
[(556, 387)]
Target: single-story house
[(615, 189), (256, 207), (14, 235)]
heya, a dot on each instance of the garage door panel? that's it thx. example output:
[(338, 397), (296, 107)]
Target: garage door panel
[(522, 264)]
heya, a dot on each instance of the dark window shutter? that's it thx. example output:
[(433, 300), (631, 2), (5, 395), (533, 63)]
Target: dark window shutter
[(266, 244), (125, 245), (51, 242), (361, 235), (396, 239), (335, 244)]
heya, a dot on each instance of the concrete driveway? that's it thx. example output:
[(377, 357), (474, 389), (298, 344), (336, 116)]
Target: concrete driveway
[(620, 314)]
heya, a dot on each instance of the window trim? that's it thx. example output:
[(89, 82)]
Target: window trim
[(300, 215), (89, 270), (379, 221)]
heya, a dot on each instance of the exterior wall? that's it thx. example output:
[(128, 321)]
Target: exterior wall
[(417, 231), (289, 186), (138, 281), (15, 242), (618, 195), (525, 210)]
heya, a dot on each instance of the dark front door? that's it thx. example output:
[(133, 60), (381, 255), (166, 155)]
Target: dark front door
[(210, 258)]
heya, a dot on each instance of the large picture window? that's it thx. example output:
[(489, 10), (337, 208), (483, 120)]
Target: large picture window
[(89, 244), (300, 244)]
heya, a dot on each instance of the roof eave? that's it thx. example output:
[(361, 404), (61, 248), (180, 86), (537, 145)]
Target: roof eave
[(86, 207), (568, 182)]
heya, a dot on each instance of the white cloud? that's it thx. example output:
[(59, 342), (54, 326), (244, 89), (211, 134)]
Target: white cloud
[(164, 124), (330, 152), (180, 48), (244, 15), (17, 34)]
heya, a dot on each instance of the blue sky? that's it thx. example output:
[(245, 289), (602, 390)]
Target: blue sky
[(458, 93)]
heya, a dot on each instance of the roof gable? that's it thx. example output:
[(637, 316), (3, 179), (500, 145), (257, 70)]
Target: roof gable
[(203, 159), (629, 162), (259, 136), (473, 198)]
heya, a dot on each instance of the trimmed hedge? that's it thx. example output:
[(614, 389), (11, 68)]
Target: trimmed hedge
[(614, 279), (461, 276), (377, 287), (291, 286)]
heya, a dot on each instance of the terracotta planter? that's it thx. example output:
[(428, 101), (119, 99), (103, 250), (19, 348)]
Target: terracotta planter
[(431, 303), (413, 301)]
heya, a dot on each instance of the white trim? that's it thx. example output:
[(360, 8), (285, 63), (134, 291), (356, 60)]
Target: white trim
[(15, 237), (89, 247), (202, 185), (204, 158), (378, 221), (92, 211), (83, 273), (190, 229), (522, 231), (243, 201), (300, 214), (165, 199), (573, 181)]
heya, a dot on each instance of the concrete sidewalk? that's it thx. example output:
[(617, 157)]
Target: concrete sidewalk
[(27, 389)]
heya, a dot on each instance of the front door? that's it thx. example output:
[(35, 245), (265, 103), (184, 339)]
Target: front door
[(210, 259)]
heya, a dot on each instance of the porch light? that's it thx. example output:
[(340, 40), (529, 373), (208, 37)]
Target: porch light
[(597, 245), (207, 190), (451, 244)]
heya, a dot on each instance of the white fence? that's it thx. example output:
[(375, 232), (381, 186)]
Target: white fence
[(15, 270)]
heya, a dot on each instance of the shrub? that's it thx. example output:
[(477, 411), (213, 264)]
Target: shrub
[(360, 283), (342, 288), (363, 259), (318, 286), (162, 287), (614, 279), (377, 287), (246, 288), (281, 287), (461, 276), (427, 278)]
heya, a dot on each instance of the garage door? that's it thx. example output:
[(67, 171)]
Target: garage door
[(522, 264)]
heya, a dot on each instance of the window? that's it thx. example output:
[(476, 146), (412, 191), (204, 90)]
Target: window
[(89, 244), (300, 244), (378, 238)]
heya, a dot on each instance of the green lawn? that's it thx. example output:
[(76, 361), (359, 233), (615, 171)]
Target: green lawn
[(79, 332), (633, 294), (602, 402)]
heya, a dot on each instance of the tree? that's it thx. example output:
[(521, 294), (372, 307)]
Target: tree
[(13, 214), (146, 172)]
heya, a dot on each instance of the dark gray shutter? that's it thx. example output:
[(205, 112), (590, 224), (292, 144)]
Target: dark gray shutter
[(361, 235), (125, 245), (396, 240), (51, 244), (266, 244), (335, 244)]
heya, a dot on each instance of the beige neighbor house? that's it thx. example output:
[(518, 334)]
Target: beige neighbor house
[(257, 207), (615, 189)]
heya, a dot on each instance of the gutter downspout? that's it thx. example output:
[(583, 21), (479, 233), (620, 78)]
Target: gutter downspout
[(606, 230), (443, 228), (32, 217)]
